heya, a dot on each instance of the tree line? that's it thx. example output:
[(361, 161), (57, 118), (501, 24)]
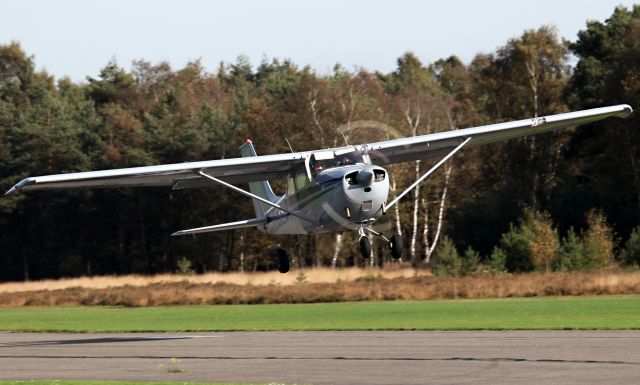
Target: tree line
[(153, 114)]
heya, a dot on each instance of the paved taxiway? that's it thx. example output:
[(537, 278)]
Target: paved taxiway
[(514, 357)]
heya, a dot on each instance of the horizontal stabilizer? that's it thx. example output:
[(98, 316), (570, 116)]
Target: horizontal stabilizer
[(224, 226)]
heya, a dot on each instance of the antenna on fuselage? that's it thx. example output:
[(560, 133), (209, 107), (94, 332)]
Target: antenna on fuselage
[(344, 137), (288, 144)]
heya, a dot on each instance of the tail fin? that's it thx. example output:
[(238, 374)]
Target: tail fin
[(261, 189)]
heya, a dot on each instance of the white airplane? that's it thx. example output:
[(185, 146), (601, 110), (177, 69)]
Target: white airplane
[(329, 190)]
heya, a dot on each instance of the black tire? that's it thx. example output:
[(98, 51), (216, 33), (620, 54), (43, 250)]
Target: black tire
[(365, 247), (282, 261), (396, 246)]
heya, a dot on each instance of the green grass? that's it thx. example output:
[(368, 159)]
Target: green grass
[(601, 312), (84, 382)]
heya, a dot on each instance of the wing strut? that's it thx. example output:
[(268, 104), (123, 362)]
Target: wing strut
[(431, 170), (243, 192), (225, 226)]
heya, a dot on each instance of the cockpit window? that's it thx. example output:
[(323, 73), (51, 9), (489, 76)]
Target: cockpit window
[(348, 158), (323, 160)]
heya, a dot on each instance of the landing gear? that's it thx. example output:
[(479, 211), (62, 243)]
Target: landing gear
[(365, 243), (365, 247), (282, 261), (395, 244)]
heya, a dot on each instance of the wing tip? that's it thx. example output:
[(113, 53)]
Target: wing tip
[(626, 111), (20, 185)]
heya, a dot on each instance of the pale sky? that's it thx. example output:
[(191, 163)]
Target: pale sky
[(78, 37)]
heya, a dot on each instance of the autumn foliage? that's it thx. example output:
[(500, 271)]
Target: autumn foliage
[(564, 200)]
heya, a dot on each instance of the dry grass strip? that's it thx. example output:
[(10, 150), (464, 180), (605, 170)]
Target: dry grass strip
[(367, 288), (313, 275)]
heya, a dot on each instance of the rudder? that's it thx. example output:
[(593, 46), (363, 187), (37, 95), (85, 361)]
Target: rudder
[(261, 189)]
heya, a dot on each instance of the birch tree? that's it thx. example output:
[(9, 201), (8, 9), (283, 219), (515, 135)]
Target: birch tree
[(420, 106)]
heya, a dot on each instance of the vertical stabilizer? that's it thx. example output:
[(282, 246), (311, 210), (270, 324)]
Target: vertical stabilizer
[(261, 189)]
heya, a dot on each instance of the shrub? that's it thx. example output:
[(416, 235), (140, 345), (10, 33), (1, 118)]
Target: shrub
[(544, 243), (598, 241), (515, 245), (301, 278), (184, 266), (631, 253), (572, 255), (470, 261), (498, 260), (449, 262)]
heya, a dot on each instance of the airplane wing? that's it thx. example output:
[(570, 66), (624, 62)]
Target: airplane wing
[(178, 176), (250, 169), (441, 143)]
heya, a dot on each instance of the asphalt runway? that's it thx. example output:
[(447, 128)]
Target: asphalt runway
[(509, 357)]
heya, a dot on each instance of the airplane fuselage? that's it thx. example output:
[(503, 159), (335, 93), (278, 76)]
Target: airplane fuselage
[(340, 199)]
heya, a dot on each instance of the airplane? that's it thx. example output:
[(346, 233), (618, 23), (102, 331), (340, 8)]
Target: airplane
[(329, 190)]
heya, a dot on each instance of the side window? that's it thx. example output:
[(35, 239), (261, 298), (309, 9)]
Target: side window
[(298, 180), (316, 166)]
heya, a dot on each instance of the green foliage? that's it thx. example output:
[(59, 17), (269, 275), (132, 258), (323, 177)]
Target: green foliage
[(515, 245), (115, 84), (184, 266), (370, 278), (607, 73), (572, 253), (448, 262), (533, 244), (498, 260), (154, 114), (631, 253), (598, 241), (470, 261), (301, 278)]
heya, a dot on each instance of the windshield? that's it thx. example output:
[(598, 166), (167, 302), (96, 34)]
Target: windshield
[(324, 160)]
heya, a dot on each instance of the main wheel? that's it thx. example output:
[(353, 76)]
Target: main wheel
[(365, 247), (395, 244), (282, 261)]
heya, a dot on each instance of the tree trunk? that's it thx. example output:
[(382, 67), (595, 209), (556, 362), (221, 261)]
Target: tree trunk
[(396, 208), (416, 208), (425, 227), (336, 250), (314, 254), (443, 199), (241, 267), (372, 255), (536, 175)]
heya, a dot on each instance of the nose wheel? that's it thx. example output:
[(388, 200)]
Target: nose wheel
[(365, 243), (365, 247)]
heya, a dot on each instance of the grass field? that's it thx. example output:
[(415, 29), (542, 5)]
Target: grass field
[(600, 312)]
